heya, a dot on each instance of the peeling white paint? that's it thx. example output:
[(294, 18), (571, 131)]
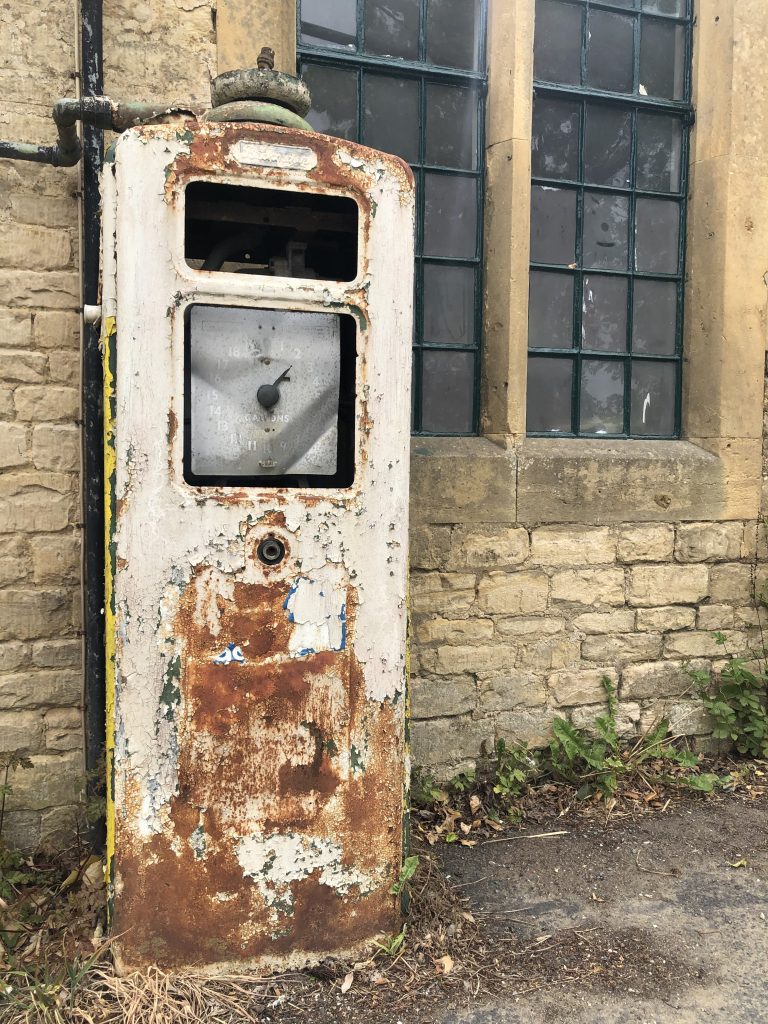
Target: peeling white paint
[(318, 610)]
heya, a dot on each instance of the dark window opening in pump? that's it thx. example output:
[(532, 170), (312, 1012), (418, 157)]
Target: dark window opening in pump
[(269, 397), (270, 232)]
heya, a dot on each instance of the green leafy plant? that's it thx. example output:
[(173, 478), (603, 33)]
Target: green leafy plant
[(737, 702), (392, 945), (407, 871), (515, 768)]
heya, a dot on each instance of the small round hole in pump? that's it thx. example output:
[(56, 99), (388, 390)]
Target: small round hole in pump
[(271, 551)]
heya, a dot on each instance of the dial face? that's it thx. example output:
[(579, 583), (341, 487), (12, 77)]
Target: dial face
[(263, 392)]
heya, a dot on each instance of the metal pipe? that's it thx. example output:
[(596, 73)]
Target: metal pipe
[(94, 674)]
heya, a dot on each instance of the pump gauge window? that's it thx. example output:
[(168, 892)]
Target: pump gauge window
[(269, 397)]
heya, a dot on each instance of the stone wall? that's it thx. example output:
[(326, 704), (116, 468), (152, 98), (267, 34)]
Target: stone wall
[(515, 626)]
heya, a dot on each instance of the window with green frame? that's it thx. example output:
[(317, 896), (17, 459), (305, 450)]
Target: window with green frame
[(408, 77), (611, 119)]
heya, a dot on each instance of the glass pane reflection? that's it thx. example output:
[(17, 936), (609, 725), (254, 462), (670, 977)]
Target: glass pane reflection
[(392, 28), (602, 397), (399, 135), (550, 386), (447, 392), (329, 23)]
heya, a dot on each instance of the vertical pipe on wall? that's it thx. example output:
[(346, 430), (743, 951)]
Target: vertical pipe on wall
[(92, 412)]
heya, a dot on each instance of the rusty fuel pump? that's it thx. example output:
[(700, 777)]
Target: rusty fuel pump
[(256, 317)]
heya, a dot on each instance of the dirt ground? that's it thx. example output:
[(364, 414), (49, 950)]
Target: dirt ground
[(658, 920)]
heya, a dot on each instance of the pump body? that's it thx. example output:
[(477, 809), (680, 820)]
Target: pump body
[(257, 318)]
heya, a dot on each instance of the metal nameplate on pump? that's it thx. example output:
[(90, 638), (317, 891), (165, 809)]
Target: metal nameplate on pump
[(267, 154), (264, 391)]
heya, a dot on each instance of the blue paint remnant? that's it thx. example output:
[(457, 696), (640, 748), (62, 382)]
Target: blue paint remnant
[(291, 592), (232, 653), (343, 618), (305, 651)]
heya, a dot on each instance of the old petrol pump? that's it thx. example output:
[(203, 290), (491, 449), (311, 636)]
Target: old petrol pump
[(256, 323)]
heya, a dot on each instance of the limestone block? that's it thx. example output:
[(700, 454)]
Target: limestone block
[(447, 740), (620, 621), (533, 728), (48, 211), (15, 329), (13, 655), (56, 558), (753, 534), (14, 446), (64, 366), (715, 616), (32, 247), (56, 447), (19, 365), (708, 542), (46, 403), (572, 545), (731, 583), (6, 401), (589, 586), (531, 627), (53, 289), (517, 593), (57, 653), (444, 697), (620, 650), (22, 829), (22, 731), (61, 824), (550, 653), (487, 547), (446, 594), (687, 718), (461, 480), (454, 631), (54, 780), (14, 559), (57, 330), (510, 690), (641, 543), (661, 620), (27, 614), (628, 716), (481, 661), (35, 502), (658, 679), (25, 690), (63, 729), (697, 644), (580, 686), (668, 584), (429, 547)]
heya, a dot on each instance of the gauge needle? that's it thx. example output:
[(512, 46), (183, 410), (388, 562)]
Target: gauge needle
[(283, 376), (268, 395)]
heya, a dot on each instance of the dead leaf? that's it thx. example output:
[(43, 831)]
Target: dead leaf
[(466, 829), (467, 842), (346, 985), (474, 803), (738, 864), (444, 964)]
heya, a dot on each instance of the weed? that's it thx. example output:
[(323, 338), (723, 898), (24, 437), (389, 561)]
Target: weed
[(392, 945), (408, 870), (737, 702)]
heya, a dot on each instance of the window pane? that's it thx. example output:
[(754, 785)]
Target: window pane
[(665, 7), (654, 386), (654, 317), (605, 231), (609, 55), (400, 134), (659, 148), (449, 305), (557, 43), (657, 235), (662, 59), (555, 142), (453, 33), (553, 225), (334, 100), (447, 392), (329, 23), (450, 216), (602, 397), (604, 313), (550, 386), (607, 146), (451, 126), (392, 28), (550, 310)]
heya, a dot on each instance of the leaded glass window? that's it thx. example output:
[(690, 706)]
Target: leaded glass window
[(611, 119), (408, 77)]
